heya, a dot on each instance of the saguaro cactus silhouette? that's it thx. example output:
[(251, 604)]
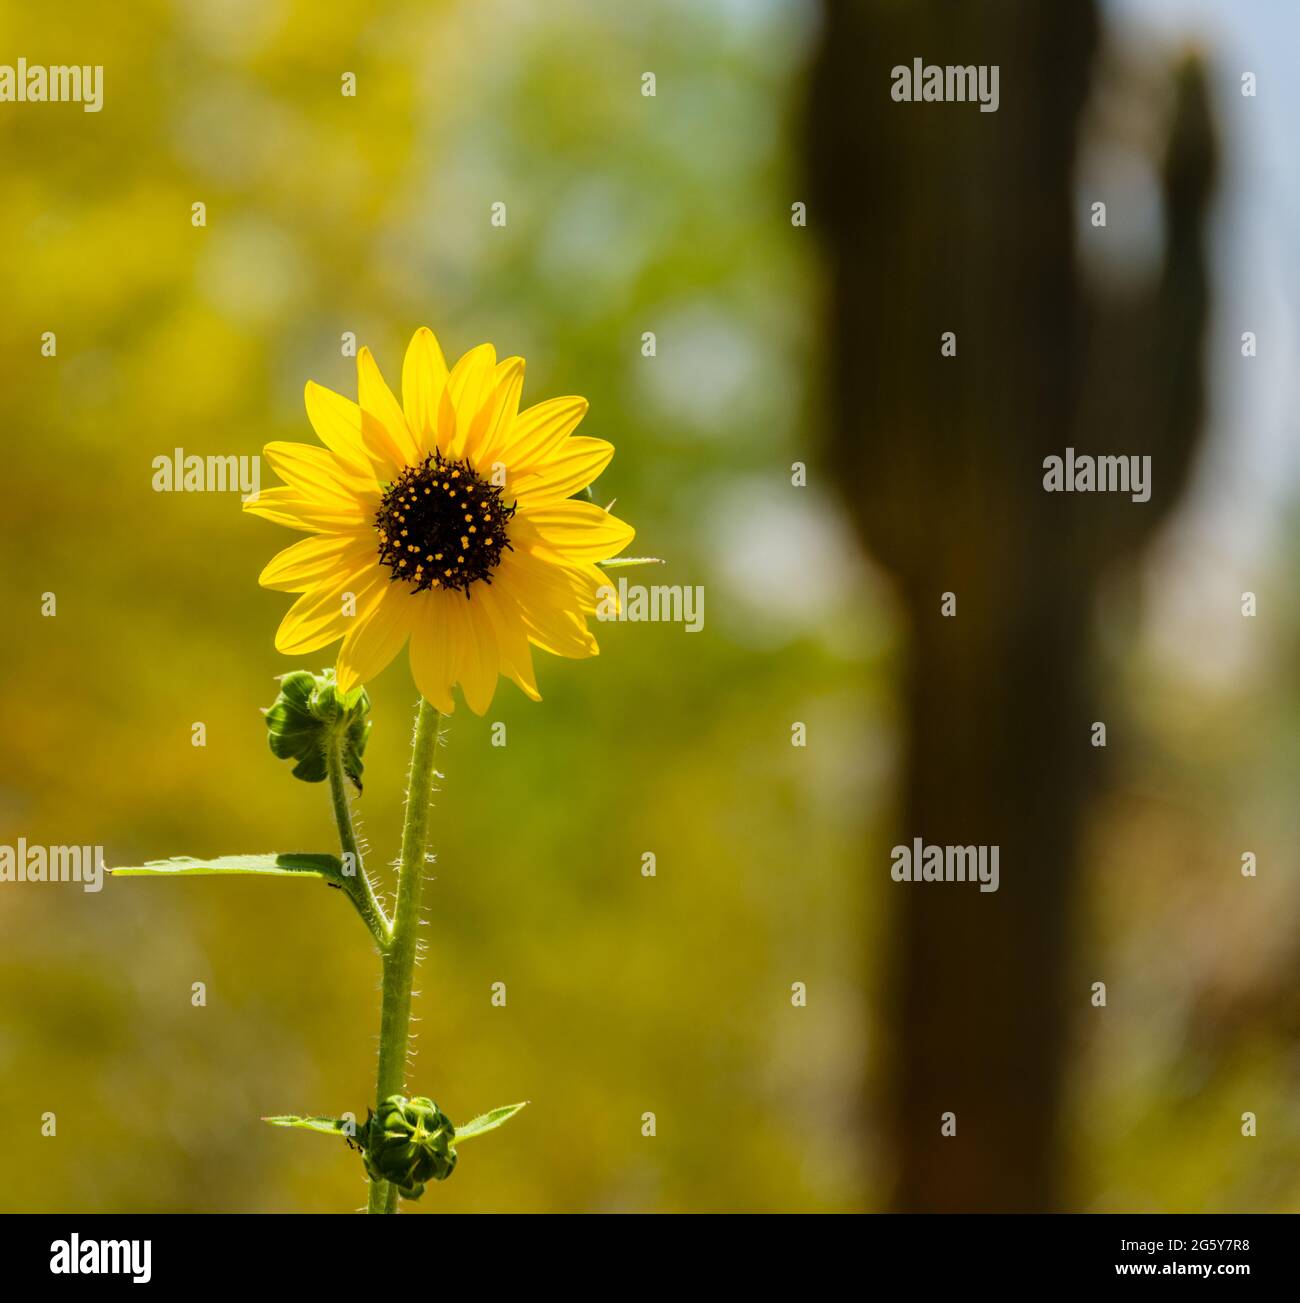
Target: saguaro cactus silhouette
[(938, 217)]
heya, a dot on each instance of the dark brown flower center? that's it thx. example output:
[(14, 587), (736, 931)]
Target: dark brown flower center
[(441, 526)]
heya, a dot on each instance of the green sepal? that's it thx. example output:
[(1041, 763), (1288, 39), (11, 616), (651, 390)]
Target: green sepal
[(308, 715), (620, 562), (486, 1122), (328, 1126)]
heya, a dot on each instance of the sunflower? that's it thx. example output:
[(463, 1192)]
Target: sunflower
[(447, 520)]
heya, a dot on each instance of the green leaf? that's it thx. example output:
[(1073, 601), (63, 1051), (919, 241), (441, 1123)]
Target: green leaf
[(329, 1126), (486, 1122), (297, 864), (615, 563)]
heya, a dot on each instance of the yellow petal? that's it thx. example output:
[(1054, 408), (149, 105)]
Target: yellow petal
[(311, 560), (546, 577), (511, 635), (468, 387), (537, 432), (382, 420), (552, 632), (480, 659), (316, 473), (581, 531), (325, 613), (569, 585), (424, 377), (435, 648), (550, 601), (287, 506), (337, 422), (488, 440), (376, 637), (576, 464)]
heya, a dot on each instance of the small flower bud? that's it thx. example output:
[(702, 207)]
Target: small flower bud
[(409, 1142), (309, 715)]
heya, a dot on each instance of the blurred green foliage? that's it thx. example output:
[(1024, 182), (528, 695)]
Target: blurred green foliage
[(328, 214)]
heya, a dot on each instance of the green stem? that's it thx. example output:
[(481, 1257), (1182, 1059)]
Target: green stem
[(399, 957), (361, 890)]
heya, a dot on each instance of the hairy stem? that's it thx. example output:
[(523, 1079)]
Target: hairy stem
[(399, 957), (362, 894)]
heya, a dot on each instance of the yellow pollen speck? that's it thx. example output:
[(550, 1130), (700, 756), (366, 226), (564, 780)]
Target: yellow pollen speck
[(460, 559), (488, 542), (473, 529)]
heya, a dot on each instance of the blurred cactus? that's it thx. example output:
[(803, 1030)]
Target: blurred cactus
[(937, 217)]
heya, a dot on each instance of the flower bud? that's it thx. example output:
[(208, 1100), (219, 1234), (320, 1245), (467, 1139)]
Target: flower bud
[(310, 715), (409, 1142)]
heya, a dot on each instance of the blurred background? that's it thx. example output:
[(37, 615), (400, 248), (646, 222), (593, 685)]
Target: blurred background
[(775, 343)]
